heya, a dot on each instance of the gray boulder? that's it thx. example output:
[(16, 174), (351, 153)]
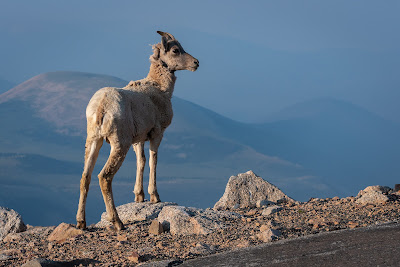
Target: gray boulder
[(181, 220), (375, 194), (268, 234), (202, 249), (10, 222), (246, 190), (136, 212), (271, 210), (375, 188)]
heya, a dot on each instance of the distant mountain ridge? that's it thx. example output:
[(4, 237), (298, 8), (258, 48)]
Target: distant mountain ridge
[(5, 85), (324, 106), (61, 97), (319, 148)]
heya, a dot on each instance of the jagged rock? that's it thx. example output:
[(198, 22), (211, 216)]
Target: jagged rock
[(263, 203), (375, 188), (156, 227), (136, 212), (372, 197), (202, 249), (246, 189), (186, 221), (271, 210), (10, 222), (268, 234), (39, 262), (375, 194), (63, 232)]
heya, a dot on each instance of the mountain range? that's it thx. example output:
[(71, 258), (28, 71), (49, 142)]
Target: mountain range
[(320, 148)]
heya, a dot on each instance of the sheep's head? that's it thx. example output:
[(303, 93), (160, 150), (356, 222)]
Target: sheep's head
[(172, 54)]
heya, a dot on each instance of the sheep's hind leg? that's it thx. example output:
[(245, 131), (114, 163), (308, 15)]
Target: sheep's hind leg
[(117, 156), (92, 149), (140, 163), (154, 144)]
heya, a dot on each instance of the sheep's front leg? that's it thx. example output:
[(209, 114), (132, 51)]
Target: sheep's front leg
[(154, 144), (140, 163)]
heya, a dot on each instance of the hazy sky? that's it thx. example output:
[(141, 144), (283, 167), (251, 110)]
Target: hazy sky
[(256, 57)]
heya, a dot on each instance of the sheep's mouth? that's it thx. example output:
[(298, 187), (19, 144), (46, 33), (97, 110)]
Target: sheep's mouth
[(193, 69)]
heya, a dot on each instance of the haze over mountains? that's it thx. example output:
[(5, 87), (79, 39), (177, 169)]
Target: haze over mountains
[(320, 148)]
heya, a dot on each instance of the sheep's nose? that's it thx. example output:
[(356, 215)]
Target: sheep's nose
[(196, 62)]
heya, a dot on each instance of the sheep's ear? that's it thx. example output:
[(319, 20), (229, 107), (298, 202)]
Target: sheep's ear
[(165, 38), (167, 35), (164, 43)]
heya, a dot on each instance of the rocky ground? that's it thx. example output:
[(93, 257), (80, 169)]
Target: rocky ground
[(147, 239), (105, 247)]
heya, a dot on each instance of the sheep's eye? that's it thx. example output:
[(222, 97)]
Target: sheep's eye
[(175, 51)]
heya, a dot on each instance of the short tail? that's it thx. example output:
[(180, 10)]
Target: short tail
[(101, 110)]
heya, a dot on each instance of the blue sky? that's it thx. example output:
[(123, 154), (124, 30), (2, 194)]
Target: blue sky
[(256, 57)]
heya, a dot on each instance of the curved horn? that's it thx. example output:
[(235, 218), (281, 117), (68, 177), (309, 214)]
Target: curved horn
[(166, 35)]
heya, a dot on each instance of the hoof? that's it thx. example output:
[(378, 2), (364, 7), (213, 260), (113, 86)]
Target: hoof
[(81, 225), (154, 198), (139, 197), (119, 226)]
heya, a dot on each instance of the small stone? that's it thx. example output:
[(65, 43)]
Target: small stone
[(244, 244), (316, 226), (122, 238), (134, 257), (249, 219), (336, 198), (263, 203), (264, 228), (269, 235), (251, 212), (352, 224), (156, 228), (258, 224), (202, 249), (271, 210), (63, 232), (161, 245)]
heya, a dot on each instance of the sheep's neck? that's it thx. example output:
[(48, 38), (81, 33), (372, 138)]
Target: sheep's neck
[(160, 74)]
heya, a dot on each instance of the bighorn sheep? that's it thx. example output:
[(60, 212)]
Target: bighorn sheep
[(127, 116)]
